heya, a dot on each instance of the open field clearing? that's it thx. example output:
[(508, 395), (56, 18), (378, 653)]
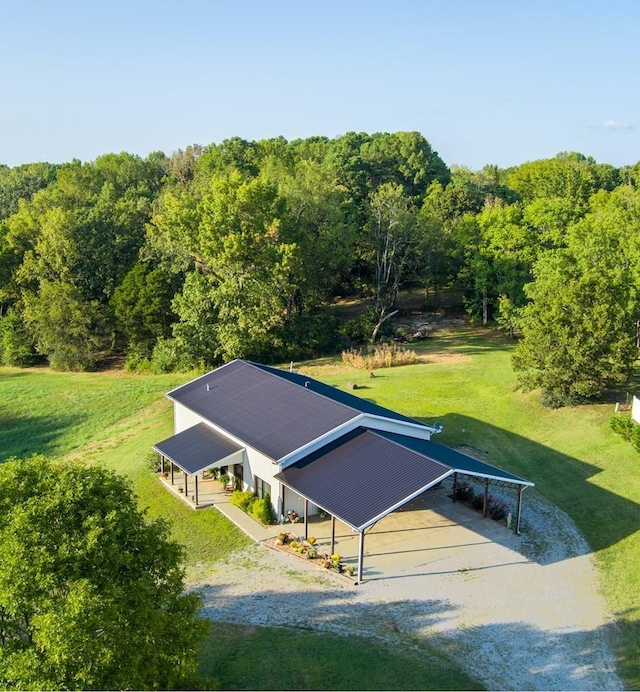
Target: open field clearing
[(576, 461)]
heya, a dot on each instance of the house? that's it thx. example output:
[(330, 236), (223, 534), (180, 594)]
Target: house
[(311, 447)]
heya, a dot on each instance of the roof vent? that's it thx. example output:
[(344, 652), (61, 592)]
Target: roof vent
[(208, 387), (307, 383)]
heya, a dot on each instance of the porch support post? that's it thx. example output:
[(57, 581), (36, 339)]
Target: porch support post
[(186, 489), (455, 485), (171, 473), (518, 510), (283, 488), (333, 533), (360, 556), (196, 491), (486, 498), (306, 518), (162, 463)]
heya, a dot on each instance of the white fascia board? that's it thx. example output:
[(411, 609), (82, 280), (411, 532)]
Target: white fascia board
[(405, 500), (321, 441), (374, 422), (503, 479)]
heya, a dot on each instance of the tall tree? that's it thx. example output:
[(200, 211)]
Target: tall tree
[(581, 324), (393, 240)]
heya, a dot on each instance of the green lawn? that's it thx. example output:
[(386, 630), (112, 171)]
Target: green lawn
[(571, 454), (279, 658)]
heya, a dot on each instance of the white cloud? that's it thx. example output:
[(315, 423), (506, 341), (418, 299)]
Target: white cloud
[(617, 125)]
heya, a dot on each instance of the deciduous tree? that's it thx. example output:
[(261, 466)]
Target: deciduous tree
[(91, 593)]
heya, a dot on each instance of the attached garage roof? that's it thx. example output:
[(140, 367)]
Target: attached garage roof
[(362, 476), (197, 448), (366, 474)]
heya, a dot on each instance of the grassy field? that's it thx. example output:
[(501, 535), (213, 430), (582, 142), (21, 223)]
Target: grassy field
[(465, 383), (270, 658)]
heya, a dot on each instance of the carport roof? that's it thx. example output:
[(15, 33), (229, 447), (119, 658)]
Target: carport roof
[(362, 476), (198, 448), (367, 474)]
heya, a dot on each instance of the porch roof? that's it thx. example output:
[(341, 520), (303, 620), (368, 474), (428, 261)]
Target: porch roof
[(362, 476), (197, 448)]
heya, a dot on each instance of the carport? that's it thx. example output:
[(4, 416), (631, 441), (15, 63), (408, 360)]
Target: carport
[(367, 474)]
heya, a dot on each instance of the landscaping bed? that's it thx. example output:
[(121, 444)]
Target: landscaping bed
[(305, 549)]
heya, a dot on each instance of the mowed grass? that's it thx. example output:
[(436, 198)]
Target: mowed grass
[(274, 658)]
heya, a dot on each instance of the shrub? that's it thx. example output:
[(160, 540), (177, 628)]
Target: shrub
[(464, 492), (382, 356), (261, 509), (476, 501), (16, 345), (627, 428), (497, 509), (243, 499)]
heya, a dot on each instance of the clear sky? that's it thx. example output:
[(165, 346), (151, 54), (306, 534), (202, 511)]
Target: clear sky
[(485, 81)]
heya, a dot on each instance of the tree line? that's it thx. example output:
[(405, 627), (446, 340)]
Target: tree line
[(238, 249)]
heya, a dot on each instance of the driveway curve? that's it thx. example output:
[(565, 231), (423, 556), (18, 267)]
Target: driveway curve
[(517, 612)]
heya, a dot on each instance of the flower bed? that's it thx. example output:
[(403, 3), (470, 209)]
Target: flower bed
[(306, 549)]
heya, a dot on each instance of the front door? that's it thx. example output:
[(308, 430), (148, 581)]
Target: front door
[(238, 472)]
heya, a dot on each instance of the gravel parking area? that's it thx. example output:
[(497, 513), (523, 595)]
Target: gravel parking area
[(518, 612)]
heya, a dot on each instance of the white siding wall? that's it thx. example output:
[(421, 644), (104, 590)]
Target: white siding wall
[(635, 409), (184, 418)]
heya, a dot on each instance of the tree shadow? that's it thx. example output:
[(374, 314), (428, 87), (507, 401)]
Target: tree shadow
[(23, 436), (503, 655), (604, 518)]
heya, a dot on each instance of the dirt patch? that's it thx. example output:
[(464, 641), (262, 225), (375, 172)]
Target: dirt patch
[(443, 357)]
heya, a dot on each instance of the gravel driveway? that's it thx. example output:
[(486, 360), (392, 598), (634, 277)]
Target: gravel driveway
[(518, 613)]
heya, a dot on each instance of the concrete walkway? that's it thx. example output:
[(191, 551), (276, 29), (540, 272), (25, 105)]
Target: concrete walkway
[(242, 520)]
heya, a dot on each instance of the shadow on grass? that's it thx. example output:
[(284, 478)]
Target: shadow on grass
[(23, 436), (604, 518), (505, 655)]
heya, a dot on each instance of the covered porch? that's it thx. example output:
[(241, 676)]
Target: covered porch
[(187, 459)]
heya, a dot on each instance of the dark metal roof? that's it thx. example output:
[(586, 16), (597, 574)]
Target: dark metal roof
[(269, 412), (362, 476), (197, 448), (335, 394), (366, 474), (455, 460)]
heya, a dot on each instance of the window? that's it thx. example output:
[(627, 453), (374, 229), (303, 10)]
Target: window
[(262, 488)]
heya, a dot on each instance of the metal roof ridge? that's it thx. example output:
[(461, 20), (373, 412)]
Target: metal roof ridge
[(260, 366), (206, 374)]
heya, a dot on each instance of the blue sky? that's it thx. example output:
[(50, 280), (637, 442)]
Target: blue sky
[(484, 81)]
